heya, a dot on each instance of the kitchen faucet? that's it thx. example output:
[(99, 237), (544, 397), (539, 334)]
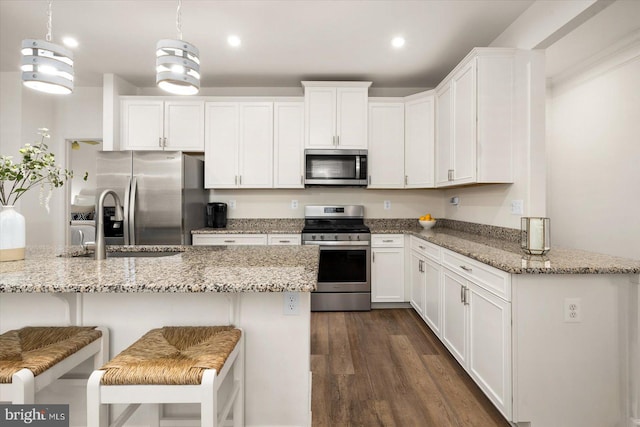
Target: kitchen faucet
[(100, 249)]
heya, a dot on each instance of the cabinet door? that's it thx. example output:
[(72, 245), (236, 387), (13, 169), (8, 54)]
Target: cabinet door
[(417, 283), (443, 135), (386, 145), (256, 145), (490, 346), (285, 239), (419, 143), (387, 275), (320, 117), (464, 124), (221, 145), (184, 125), (351, 122), (433, 295), (454, 315), (142, 125), (288, 144)]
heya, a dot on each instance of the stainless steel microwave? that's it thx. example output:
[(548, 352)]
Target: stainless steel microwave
[(335, 167)]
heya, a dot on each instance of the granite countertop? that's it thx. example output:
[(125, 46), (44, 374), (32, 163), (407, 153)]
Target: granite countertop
[(499, 247), (191, 269)]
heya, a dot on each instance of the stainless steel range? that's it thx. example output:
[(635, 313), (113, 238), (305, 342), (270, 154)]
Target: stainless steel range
[(344, 273)]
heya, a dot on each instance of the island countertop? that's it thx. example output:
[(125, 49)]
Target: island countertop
[(191, 269)]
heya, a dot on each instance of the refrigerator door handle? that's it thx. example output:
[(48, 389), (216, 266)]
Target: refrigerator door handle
[(125, 225), (132, 211)]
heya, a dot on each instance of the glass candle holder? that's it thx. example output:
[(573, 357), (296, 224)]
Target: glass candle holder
[(534, 234)]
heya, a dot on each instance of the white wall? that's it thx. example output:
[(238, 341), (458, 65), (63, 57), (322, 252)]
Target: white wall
[(594, 161), (277, 203)]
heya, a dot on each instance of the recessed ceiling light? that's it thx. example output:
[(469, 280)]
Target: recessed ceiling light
[(234, 41), (397, 42), (70, 42)]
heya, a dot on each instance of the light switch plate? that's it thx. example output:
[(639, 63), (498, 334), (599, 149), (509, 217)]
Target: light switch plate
[(294, 204), (387, 205), (232, 204)]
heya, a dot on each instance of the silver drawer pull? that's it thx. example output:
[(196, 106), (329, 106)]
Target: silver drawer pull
[(284, 241), (465, 268), (422, 247), (229, 241), (387, 241)]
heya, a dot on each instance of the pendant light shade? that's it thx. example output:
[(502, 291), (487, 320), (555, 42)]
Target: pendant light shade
[(47, 67), (177, 67)]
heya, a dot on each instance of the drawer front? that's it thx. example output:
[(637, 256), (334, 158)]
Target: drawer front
[(285, 239), (387, 240), (493, 280), (425, 248), (229, 239)]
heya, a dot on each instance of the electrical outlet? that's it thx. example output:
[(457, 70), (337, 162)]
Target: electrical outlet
[(517, 207), (455, 201), (232, 204), (294, 204), (572, 310), (291, 304), (387, 205)]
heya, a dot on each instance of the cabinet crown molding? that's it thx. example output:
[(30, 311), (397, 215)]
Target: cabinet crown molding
[(307, 83)]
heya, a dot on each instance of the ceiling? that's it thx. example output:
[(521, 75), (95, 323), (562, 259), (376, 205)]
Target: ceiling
[(283, 41)]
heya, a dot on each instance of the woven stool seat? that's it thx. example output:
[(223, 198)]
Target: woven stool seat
[(39, 348), (172, 356)]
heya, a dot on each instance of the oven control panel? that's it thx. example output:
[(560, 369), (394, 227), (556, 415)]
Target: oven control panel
[(364, 238)]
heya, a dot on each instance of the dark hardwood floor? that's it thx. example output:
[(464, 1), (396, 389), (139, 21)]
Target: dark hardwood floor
[(386, 368)]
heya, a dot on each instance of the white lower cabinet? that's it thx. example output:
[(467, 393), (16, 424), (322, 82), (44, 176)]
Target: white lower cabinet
[(426, 283), (476, 329), (229, 239), (417, 283), (387, 268)]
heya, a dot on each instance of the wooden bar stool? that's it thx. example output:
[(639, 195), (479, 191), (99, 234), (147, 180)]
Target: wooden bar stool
[(173, 365), (32, 358)]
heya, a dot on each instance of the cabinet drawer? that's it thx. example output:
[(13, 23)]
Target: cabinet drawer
[(285, 239), (493, 280), (229, 239), (387, 240), (425, 248)]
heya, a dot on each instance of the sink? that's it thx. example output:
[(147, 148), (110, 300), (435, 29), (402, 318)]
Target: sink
[(132, 254)]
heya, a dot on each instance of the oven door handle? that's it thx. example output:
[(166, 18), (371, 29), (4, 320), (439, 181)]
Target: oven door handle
[(342, 243)]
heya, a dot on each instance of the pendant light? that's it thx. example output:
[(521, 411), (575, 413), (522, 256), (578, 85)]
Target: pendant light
[(177, 63), (46, 66)]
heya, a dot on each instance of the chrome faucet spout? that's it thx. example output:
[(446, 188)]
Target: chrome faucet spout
[(101, 251)]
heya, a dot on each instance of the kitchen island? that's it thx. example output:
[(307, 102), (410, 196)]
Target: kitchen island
[(193, 286)]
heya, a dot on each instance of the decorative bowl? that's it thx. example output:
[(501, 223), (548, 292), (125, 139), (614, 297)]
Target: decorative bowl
[(427, 224)]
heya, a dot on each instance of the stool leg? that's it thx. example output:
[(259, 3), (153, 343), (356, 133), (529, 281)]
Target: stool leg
[(238, 377), (155, 414), (209, 404), (97, 415), (103, 355), (24, 387)]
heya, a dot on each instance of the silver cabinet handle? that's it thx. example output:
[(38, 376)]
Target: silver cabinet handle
[(337, 139), (373, 256), (235, 180), (462, 294), (387, 241), (465, 268), (164, 142), (406, 179), (450, 174), (229, 241), (334, 141), (422, 247), (369, 183), (421, 266), (160, 142), (466, 296), (240, 179), (301, 179), (284, 241)]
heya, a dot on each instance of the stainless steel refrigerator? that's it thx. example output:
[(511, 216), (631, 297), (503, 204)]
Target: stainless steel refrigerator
[(162, 194)]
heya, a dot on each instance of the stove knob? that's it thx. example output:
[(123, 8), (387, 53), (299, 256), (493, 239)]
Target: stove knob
[(350, 237), (358, 237), (313, 237), (322, 237), (336, 237)]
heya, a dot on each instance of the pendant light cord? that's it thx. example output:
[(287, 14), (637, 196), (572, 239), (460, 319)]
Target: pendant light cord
[(179, 20), (49, 19)]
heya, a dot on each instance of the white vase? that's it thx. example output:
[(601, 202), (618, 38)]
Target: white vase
[(12, 234)]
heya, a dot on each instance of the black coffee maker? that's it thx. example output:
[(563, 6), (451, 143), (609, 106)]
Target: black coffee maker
[(217, 215)]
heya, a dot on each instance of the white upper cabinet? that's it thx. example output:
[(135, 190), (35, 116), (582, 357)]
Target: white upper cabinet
[(386, 145), (239, 145), (475, 116), (336, 114), (148, 124), (288, 144), (419, 113)]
